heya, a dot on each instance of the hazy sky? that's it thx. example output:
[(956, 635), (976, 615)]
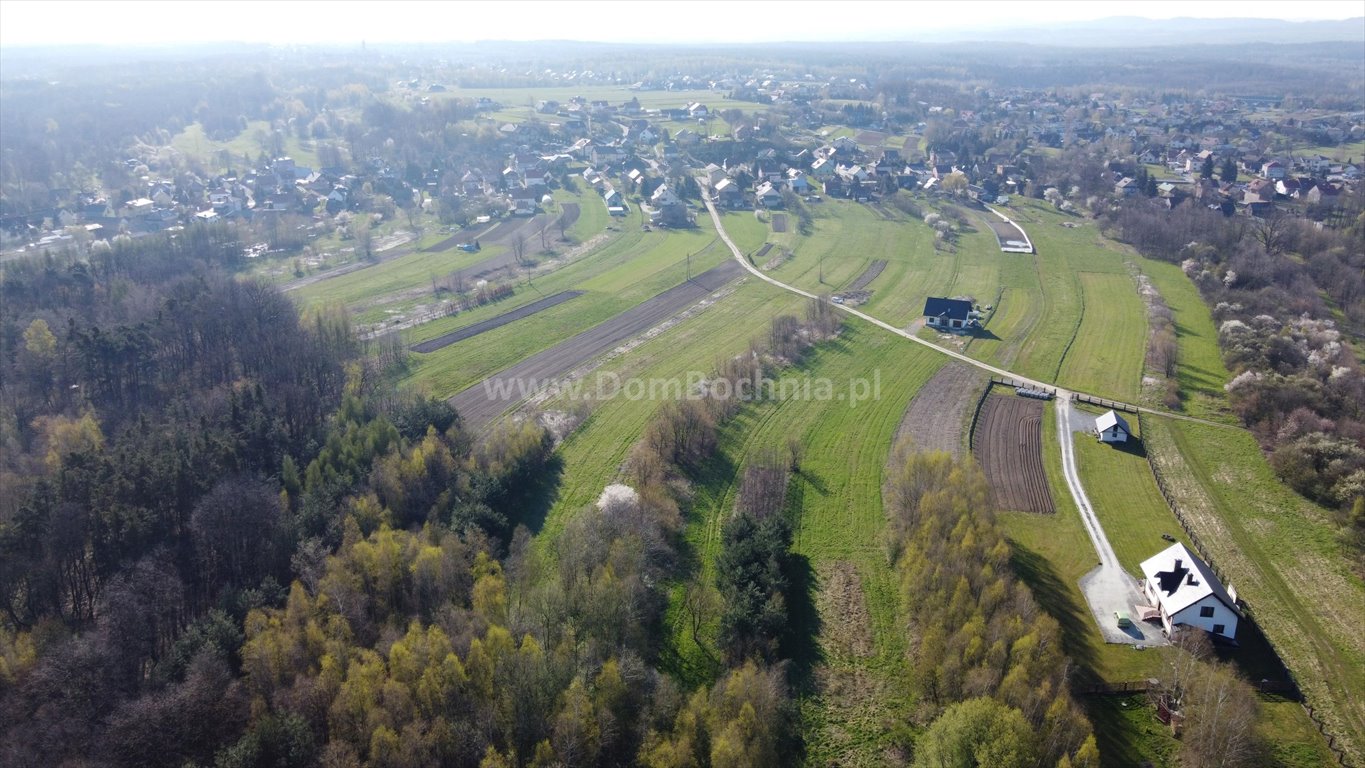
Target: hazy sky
[(44, 22)]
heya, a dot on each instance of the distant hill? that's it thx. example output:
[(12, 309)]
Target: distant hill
[(1131, 31)]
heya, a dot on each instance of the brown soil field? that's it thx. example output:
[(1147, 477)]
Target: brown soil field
[(431, 345), (868, 275), (937, 416), (480, 404), (1008, 445), (1003, 230), (779, 222)]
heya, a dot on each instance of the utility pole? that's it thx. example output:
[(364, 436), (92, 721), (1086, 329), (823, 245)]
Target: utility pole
[(689, 265), (822, 268)]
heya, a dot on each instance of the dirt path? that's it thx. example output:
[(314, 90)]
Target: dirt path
[(480, 404), (469, 331), (1008, 233), (1107, 588)]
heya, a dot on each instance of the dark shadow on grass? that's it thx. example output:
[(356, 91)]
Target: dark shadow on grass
[(984, 334), (1132, 446), (535, 497), (1254, 657), (1127, 731), (1054, 598), (801, 642)]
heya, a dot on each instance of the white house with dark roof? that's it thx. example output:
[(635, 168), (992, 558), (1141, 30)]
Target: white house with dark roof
[(1183, 591), (1112, 428)]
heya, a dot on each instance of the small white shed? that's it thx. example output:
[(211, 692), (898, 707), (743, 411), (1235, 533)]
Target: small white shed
[(1112, 428)]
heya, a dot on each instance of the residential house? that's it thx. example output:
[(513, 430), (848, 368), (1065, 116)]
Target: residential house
[(1323, 192), (1273, 170), (767, 195), (728, 193), (667, 209), (949, 314), (1184, 591)]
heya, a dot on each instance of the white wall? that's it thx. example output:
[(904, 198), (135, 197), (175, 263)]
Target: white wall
[(1221, 615)]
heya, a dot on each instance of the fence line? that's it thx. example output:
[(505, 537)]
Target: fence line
[(1115, 404), (1143, 686), (1292, 686)]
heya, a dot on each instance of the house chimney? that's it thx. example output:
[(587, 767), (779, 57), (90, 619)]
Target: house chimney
[(1177, 563), (1193, 582)]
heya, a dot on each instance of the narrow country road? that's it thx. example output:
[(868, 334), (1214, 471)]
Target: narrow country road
[(1108, 588)]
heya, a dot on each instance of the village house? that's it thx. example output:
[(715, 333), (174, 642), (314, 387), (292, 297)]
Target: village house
[(1183, 591), (728, 193), (949, 314), (766, 195)]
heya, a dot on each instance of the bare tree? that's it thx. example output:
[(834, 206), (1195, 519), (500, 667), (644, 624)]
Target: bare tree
[(545, 238), (364, 241), (1192, 647), (1272, 231), (519, 248), (1220, 720)]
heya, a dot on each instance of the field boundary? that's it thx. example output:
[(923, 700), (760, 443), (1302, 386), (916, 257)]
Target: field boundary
[(1293, 683), (470, 331)]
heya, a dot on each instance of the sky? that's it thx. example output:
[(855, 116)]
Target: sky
[(284, 22)]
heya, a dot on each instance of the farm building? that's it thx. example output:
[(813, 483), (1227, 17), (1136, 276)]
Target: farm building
[(1112, 428), (949, 313), (1183, 590)]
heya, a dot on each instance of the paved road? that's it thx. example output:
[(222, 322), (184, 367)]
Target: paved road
[(1107, 588)]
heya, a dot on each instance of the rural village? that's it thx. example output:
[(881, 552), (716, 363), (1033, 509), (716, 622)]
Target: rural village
[(1084, 465)]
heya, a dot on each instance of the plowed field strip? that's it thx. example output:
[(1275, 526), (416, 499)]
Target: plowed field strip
[(868, 275), (431, 345), (481, 403), (1008, 445)]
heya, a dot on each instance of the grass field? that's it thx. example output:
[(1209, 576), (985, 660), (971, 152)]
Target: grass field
[(1283, 555), (1106, 354), (835, 501), (378, 286), (1199, 370), (193, 142), (1353, 151), (629, 271)]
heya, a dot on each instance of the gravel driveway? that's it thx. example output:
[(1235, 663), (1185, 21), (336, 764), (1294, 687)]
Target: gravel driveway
[(1107, 588)]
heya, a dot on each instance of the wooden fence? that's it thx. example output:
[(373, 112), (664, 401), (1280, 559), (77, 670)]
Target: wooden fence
[(1291, 687), (1101, 402)]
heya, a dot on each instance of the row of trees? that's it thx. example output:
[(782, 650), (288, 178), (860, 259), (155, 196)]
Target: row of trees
[(988, 667)]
